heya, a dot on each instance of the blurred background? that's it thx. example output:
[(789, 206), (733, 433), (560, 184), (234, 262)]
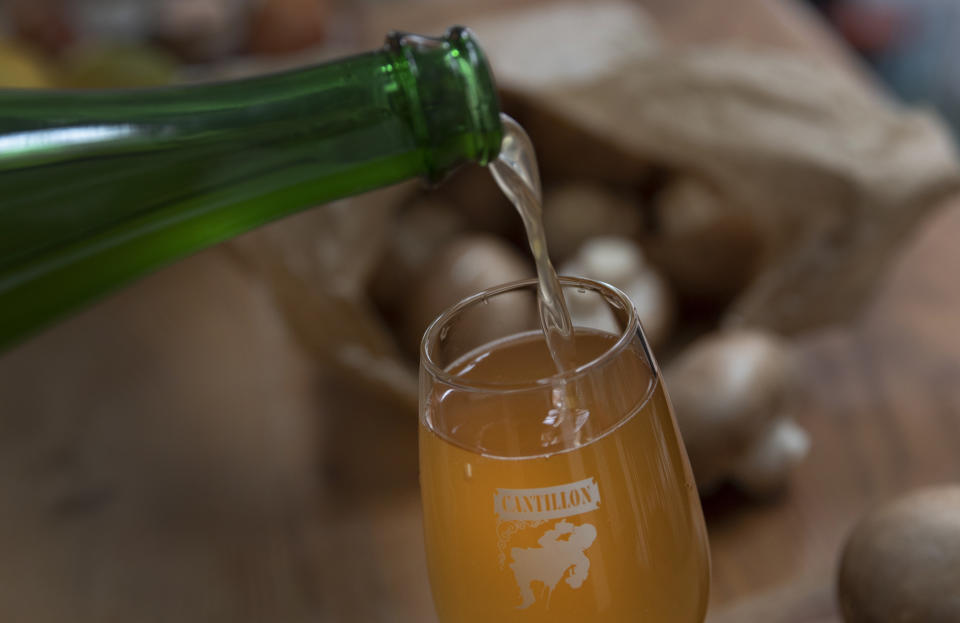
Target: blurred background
[(234, 437)]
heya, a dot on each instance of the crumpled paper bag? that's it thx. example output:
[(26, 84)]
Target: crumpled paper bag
[(831, 175), (826, 172)]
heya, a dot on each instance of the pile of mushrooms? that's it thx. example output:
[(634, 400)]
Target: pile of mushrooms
[(731, 389)]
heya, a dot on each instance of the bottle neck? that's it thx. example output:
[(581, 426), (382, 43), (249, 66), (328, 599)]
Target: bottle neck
[(452, 98)]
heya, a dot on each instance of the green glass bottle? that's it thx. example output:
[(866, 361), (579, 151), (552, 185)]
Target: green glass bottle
[(99, 187)]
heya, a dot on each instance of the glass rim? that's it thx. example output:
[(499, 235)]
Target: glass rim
[(442, 375)]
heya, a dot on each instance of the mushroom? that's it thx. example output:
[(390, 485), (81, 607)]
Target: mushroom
[(706, 248), (287, 26), (201, 30), (420, 230), (731, 393), (620, 262), (901, 564), (474, 193), (463, 267), (48, 26), (577, 211)]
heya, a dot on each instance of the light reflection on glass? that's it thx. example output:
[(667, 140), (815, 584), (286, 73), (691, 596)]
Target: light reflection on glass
[(32, 141)]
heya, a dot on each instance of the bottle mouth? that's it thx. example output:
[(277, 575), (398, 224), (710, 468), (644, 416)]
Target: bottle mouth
[(464, 48), (475, 95)]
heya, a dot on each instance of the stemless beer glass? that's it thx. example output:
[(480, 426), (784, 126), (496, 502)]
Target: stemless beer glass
[(554, 496)]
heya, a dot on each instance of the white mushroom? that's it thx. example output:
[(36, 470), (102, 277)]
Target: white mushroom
[(578, 211), (765, 465), (731, 392), (620, 262)]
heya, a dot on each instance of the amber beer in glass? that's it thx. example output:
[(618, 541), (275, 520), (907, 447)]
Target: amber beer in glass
[(554, 496)]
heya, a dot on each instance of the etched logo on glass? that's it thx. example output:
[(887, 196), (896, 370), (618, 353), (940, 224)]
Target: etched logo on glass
[(560, 553)]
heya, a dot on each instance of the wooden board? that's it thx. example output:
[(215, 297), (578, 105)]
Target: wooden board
[(256, 512), (882, 398), (882, 404), (881, 401)]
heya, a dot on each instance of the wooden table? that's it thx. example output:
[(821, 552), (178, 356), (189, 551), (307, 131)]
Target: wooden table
[(115, 508), (881, 401), (882, 404), (881, 398)]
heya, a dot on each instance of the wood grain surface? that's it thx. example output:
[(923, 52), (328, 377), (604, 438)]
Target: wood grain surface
[(880, 399), (882, 403), (152, 500)]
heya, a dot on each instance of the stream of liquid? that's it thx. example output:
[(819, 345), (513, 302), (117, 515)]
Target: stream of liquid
[(516, 173)]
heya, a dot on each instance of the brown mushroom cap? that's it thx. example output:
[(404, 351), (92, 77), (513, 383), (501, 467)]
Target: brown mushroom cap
[(465, 266), (902, 562), (706, 248)]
